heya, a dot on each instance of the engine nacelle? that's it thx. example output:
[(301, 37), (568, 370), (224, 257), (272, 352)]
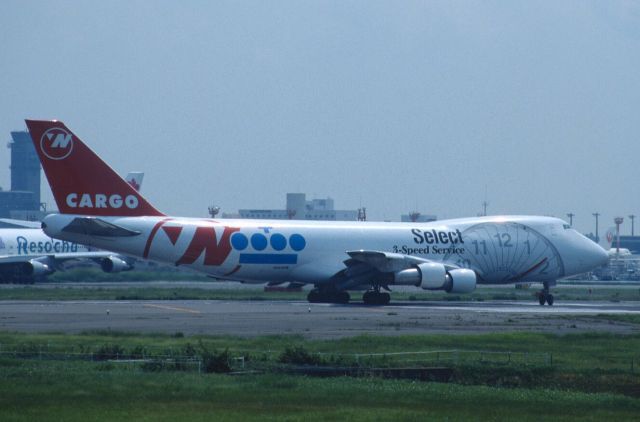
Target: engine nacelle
[(434, 276), (429, 276), (36, 268), (408, 277), (460, 281), (113, 264)]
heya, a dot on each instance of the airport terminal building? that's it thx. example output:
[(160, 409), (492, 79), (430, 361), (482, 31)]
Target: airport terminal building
[(416, 217), (23, 200), (299, 208)]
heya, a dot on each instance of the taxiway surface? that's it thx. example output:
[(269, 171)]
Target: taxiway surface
[(257, 318)]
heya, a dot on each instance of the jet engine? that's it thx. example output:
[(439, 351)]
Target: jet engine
[(460, 281), (36, 268), (113, 264), (434, 276)]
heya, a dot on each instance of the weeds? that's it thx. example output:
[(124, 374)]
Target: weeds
[(298, 355)]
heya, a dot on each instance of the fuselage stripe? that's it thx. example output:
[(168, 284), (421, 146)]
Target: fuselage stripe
[(155, 229), (266, 258), (530, 270)]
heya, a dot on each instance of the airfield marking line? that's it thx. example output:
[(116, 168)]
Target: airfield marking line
[(172, 308)]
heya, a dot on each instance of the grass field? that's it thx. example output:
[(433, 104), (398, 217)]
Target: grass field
[(81, 392), (590, 376), (587, 351), (585, 381)]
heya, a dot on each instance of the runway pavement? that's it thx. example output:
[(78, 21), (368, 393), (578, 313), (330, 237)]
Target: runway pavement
[(256, 318)]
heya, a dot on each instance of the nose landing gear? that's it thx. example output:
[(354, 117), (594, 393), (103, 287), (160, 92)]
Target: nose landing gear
[(544, 296)]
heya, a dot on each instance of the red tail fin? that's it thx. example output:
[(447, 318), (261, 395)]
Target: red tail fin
[(81, 182)]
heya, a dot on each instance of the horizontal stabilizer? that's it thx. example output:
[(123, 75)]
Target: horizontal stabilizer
[(90, 226)]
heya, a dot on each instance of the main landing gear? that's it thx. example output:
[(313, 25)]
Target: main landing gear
[(375, 297), (545, 296), (325, 295), (328, 296)]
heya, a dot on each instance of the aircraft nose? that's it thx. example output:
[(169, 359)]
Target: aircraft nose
[(602, 257), (595, 255), (583, 255)]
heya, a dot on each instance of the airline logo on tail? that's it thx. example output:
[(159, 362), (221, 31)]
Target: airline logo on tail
[(80, 181), (56, 143)]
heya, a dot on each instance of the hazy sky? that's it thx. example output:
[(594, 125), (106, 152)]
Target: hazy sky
[(393, 105)]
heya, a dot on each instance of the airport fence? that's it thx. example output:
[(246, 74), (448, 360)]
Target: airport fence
[(190, 358), (453, 357)]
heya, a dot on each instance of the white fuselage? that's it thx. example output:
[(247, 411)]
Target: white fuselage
[(500, 250), (31, 242)]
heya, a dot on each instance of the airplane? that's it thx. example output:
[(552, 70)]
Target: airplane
[(27, 254), (100, 209)]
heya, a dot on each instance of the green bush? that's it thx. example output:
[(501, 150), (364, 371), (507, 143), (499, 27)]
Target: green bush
[(138, 352), (152, 366), (189, 351), (214, 361), (298, 355), (109, 351)]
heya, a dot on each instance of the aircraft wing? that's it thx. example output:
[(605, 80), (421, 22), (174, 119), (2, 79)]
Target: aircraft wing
[(19, 224), (23, 268), (387, 262), (57, 258), (366, 265), (12, 259), (82, 255)]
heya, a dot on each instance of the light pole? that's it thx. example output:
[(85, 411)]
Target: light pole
[(570, 215), (362, 214), (596, 215), (632, 217), (213, 211)]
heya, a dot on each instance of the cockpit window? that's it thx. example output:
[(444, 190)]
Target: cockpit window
[(566, 226)]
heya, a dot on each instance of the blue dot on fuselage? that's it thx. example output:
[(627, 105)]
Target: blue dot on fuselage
[(297, 242), (258, 241), (239, 241), (278, 242)]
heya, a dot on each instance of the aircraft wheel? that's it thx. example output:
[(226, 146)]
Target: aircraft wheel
[(314, 296), (367, 298), (385, 298), (550, 299), (342, 297), (541, 298)]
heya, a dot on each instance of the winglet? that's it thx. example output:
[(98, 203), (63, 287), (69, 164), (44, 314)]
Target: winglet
[(80, 181)]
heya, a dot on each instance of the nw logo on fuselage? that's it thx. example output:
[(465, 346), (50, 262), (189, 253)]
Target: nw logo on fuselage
[(56, 143), (215, 246)]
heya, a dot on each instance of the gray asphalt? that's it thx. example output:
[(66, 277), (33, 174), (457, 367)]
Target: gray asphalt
[(230, 285), (256, 318)]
